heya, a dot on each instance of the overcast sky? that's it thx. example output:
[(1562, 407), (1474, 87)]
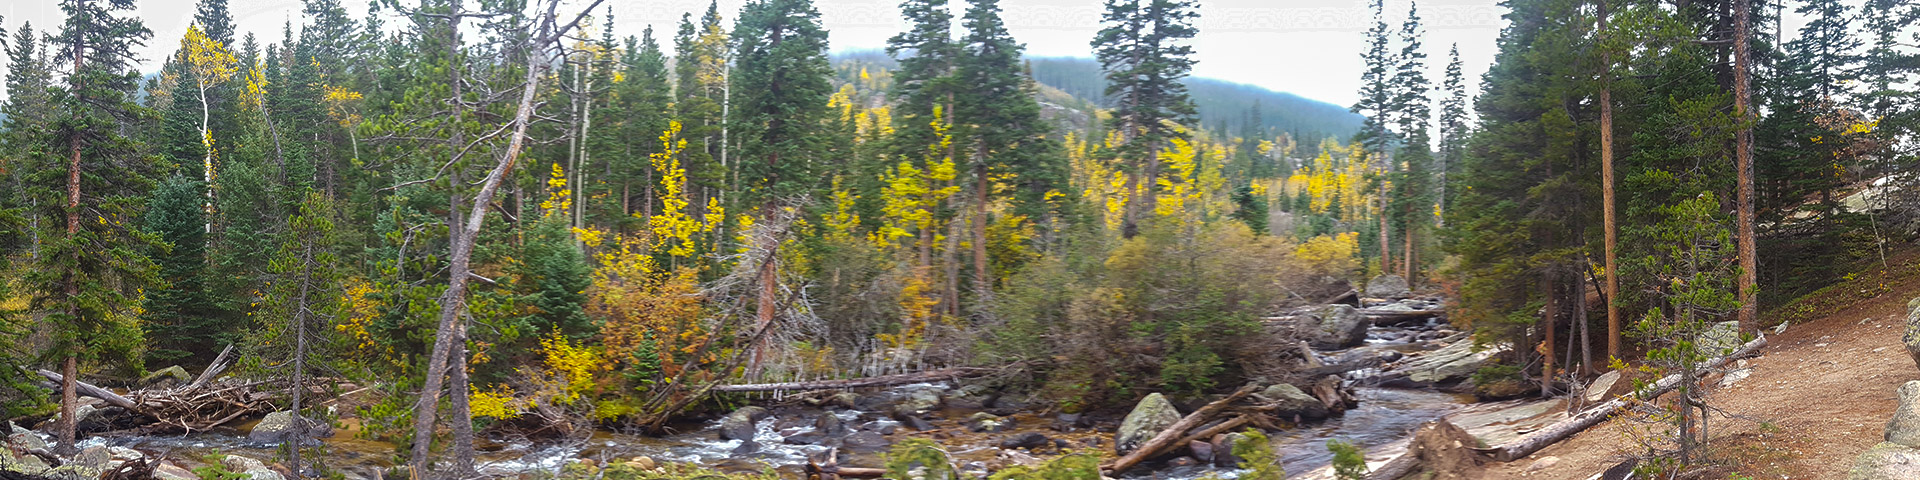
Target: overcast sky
[(1308, 47)]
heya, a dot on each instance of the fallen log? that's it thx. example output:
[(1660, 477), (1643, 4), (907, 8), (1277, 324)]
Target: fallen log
[(1533, 442), (94, 391), (213, 369), (830, 469), (880, 381), (1168, 438)]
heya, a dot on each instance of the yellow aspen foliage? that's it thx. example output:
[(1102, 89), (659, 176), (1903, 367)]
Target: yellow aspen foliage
[(912, 194), (1188, 180), (570, 369), (362, 310), (559, 199), (207, 59), (497, 403), (253, 98), (1098, 181), (843, 101), (1329, 254), (675, 230), (916, 304), (340, 102)]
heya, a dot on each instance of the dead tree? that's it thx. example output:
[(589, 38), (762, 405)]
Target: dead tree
[(450, 333)]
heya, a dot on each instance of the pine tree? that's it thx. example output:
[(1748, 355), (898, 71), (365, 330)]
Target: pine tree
[(212, 17), (1454, 130), (1376, 105), (1411, 201), (1141, 48), (182, 318), (782, 75), (300, 299), (925, 80), (90, 270)]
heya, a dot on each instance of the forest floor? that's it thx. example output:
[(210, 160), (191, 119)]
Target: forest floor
[(1819, 394)]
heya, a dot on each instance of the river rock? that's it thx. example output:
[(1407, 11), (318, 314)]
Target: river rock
[(1153, 414), (919, 400), (1024, 440), (1886, 461), (1335, 327), (865, 442), (987, 422), (906, 415), (1904, 427), (1223, 449), (1912, 338), (970, 397), (1608, 386), (1388, 286), (830, 425), (846, 400), (279, 426), (739, 425), (746, 447), (166, 378), (1202, 451), (1447, 366), (1292, 402), (169, 471), (22, 439), (809, 437), (252, 468)]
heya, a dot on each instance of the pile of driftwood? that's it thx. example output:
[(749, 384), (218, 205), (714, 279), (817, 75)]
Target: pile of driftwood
[(202, 404)]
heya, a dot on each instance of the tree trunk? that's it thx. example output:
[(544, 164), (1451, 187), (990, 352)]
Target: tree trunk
[(453, 300), (1550, 314), (1386, 245), (1743, 162), (1533, 442), (1178, 430), (982, 278), (70, 366), (1606, 192), (300, 362)]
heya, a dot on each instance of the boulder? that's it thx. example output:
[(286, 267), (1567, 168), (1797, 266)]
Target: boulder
[(23, 440), (847, 400), (1912, 338), (1202, 451), (830, 425), (746, 447), (1449, 365), (1886, 461), (739, 425), (906, 415), (1291, 402), (1147, 419), (1223, 449), (1024, 440), (1904, 427), (1388, 286), (170, 471), (987, 422), (1720, 339), (279, 426), (1608, 386), (919, 400), (809, 437), (21, 463), (252, 468), (1335, 327), (865, 442), (166, 378)]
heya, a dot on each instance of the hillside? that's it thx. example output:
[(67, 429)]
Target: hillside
[(1223, 105)]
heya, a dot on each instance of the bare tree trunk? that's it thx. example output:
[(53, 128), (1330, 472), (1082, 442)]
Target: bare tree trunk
[(1550, 315), (453, 300), (300, 363), (1743, 161), (982, 278), (1386, 246), (70, 366), (1606, 192)]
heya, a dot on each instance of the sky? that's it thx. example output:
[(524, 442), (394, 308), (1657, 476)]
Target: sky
[(1306, 47)]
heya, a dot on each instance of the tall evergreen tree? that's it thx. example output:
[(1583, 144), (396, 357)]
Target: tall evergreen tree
[(1008, 138), (925, 80), (1411, 203), (1142, 48), (780, 119), (1376, 106), (1454, 130), (90, 270)]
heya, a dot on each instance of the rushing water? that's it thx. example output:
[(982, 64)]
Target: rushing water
[(1383, 417)]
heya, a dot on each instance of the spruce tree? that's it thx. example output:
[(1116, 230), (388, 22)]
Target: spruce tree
[(1454, 130), (182, 318), (90, 270), (1002, 121), (925, 80), (1411, 201), (1142, 49), (779, 119)]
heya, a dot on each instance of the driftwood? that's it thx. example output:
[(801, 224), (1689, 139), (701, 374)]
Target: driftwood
[(1350, 297), (1168, 438), (830, 469), (1533, 442), (213, 369), (94, 391), (1395, 317), (880, 381)]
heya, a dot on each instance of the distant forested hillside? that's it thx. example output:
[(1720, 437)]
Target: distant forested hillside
[(1220, 102)]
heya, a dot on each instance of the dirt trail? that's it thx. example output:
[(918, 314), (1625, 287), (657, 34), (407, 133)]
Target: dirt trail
[(1824, 389)]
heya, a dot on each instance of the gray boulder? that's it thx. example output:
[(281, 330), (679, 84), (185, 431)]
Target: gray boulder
[(1024, 440), (1904, 427), (739, 425), (279, 426), (169, 471), (1886, 461), (1721, 339), (987, 422), (865, 442), (1335, 327), (1147, 419), (252, 468), (1912, 338), (1293, 402), (1388, 286), (920, 400)]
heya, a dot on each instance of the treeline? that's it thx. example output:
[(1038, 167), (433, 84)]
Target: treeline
[(1644, 169), (511, 215)]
